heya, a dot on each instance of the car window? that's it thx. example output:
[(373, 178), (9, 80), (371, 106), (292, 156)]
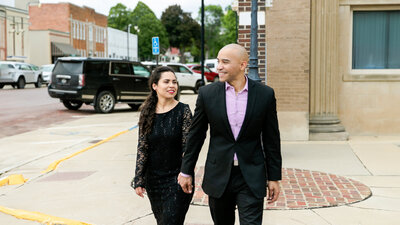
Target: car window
[(206, 69), (3, 66), (140, 71), (174, 68), (184, 70), (11, 66), (68, 67), (96, 68), (25, 67), (196, 68), (210, 65), (34, 67), (120, 68), (46, 68)]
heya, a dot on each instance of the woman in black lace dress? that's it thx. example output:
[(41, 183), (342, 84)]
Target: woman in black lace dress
[(163, 126)]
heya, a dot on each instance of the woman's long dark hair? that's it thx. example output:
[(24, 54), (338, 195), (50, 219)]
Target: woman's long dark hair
[(148, 108)]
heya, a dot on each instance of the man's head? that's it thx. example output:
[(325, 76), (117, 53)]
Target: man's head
[(232, 62)]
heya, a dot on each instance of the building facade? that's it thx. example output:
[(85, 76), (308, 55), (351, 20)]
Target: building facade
[(13, 33), (118, 44), (87, 30), (334, 65)]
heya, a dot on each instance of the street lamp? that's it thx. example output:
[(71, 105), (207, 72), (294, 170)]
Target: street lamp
[(127, 33), (253, 65)]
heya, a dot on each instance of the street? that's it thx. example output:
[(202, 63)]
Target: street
[(23, 110)]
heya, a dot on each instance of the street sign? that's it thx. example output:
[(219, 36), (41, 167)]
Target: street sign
[(156, 45)]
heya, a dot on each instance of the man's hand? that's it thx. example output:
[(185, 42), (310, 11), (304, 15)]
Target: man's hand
[(140, 191), (186, 183), (273, 191)]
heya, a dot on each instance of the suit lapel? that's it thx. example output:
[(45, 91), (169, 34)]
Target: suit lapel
[(222, 97), (251, 101)]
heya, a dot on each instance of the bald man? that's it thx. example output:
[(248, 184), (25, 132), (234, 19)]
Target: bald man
[(244, 154)]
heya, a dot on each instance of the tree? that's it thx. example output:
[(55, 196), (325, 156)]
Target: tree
[(182, 29), (144, 23), (118, 17), (213, 15), (229, 28), (148, 26)]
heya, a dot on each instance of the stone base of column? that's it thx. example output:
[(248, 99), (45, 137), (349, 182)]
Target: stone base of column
[(327, 128)]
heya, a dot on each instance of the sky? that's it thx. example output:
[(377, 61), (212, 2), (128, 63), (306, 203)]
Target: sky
[(158, 6)]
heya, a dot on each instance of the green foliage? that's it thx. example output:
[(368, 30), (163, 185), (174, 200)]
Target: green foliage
[(144, 23), (229, 27), (118, 17), (219, 29), (148, 26), (183, 31)]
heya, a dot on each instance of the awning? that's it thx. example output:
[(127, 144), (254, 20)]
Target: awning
[(61, 49)]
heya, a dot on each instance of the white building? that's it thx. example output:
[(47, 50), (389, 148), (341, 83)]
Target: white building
[(118, 44)]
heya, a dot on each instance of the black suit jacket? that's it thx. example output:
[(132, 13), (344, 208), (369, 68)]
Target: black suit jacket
[(257, 145)]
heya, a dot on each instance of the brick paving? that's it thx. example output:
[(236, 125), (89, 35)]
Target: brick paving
[(304, 189)]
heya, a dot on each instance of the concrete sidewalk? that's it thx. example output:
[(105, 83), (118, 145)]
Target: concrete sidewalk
[(93, 187)]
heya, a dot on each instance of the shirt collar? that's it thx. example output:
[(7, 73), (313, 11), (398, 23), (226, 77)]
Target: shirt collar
[(246, 86)]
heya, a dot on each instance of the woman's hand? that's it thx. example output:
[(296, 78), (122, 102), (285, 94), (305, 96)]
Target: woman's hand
[(140, 191)]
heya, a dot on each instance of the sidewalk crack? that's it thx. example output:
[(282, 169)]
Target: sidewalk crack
[(312, 210), (385, 210), (137, 218), (362, 163)]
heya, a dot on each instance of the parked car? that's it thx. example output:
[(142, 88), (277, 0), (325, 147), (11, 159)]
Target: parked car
[(188, 80), (100, 82), (212, 64), (19, 74), (210, 75), (46, 72)]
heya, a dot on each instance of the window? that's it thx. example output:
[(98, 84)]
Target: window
[(140, 71), (120, 68), (376, 40)]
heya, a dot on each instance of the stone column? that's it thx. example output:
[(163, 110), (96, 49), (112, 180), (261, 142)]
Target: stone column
[(324, 122)]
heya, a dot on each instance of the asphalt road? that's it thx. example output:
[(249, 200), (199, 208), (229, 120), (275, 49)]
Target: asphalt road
[(23, 110)]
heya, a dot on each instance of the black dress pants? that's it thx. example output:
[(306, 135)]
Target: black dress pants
[(238, 194)]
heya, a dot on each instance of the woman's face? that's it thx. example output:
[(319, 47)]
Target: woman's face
[(167, 86)]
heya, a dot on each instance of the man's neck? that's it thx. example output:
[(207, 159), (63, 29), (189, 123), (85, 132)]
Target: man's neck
[(238, 84)]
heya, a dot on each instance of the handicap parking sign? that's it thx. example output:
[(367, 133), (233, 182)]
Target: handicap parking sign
[(156, 45)]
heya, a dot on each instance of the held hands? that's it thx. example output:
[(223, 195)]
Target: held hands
[(273, 191), (140, 191), (186, 183)]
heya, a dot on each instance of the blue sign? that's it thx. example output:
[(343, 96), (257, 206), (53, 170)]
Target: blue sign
[(156, 45)]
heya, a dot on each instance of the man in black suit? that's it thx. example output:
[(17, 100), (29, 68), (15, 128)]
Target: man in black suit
[(244, 152)]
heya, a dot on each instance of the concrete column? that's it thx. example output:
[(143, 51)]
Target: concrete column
[(324, 122)]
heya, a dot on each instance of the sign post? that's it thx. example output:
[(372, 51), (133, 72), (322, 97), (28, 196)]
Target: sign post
[(156, 47)]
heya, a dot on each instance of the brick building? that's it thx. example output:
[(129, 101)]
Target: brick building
[(72, 30), (334, 65)]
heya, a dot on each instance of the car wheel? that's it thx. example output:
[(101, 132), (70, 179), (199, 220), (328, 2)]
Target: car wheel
[(105, 102), (72, 105), (135, 107), (197, 86), (39, 82), (216, 79), (1, 86), (21, 83)]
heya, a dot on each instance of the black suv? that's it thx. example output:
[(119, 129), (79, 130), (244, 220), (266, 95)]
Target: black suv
[(100, 82)]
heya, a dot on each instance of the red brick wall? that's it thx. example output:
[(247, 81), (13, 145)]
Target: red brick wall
[(287, 36), (49, 16), (244, 35)]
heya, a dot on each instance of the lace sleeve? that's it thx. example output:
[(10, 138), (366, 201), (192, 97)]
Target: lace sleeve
[(187, 121), (141, 159)]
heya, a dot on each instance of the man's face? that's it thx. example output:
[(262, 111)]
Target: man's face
[(230, 67)]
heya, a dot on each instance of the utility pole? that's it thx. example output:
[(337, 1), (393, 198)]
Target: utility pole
[(127, 37), (202, 40), (253, 65)]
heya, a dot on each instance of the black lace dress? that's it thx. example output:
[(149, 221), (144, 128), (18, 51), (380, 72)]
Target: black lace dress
[(158, 163)]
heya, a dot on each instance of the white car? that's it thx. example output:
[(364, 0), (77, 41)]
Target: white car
[(188, 80), (46, 72), (18, 74)]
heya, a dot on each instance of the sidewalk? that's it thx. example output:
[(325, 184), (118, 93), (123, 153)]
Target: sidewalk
[(93, 187)]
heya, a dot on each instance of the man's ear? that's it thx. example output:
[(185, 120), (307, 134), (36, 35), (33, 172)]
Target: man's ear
[(243, 65)]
